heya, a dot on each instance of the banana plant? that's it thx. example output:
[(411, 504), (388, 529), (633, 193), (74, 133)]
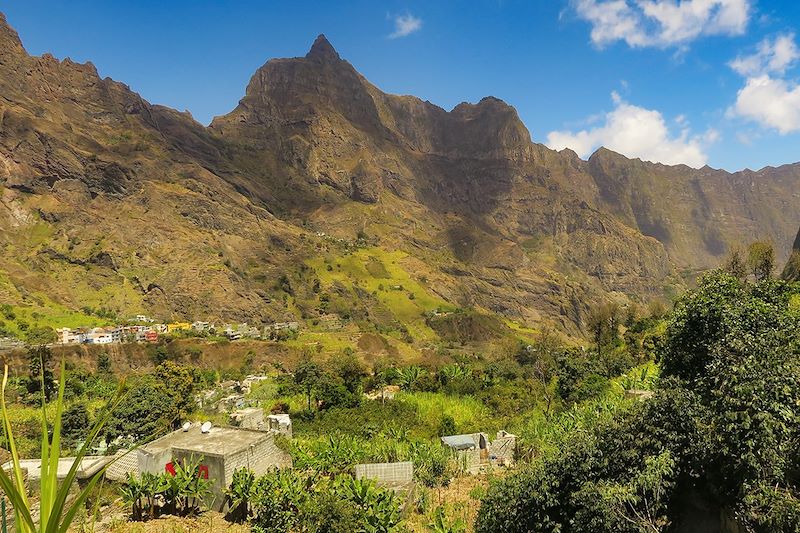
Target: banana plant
[(380, 507), (134, 493), (55, 514), (238, 494), (442, 524)]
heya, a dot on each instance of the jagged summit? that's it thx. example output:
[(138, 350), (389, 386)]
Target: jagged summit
[(322, 50), (9, 39)]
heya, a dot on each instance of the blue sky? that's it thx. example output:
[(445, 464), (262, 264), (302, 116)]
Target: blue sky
[(695, 81)]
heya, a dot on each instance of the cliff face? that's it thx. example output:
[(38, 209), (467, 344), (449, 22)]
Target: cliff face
[(471, 176), (109, 200)]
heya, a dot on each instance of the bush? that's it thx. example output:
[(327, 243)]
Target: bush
[(447, 426), (723, 426), (182, 494), (289, 500)]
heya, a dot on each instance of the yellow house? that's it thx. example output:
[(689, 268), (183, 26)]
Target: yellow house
[(177, 326)]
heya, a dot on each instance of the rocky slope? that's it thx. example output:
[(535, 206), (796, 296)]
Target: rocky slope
[(110, 201)]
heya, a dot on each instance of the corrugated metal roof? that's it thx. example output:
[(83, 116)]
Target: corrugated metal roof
[(460, 442)]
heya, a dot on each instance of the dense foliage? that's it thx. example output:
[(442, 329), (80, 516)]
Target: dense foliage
[(292, 500), (721, 431)]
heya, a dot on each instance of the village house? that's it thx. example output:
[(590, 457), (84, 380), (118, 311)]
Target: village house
[(178, 326), (69, 336), (474, 451), (241, 331), (220, 451), (99, 336)]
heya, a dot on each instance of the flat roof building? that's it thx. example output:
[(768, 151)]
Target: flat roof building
[(220, 451)]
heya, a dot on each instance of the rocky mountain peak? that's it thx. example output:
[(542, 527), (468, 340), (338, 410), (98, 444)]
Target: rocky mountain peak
[(9, 39), (322, 50)]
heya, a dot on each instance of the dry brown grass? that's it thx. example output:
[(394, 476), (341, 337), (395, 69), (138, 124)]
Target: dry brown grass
[(460, 500), (209, 522)]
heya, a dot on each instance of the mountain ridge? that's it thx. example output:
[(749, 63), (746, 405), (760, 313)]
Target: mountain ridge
[(499, 222)]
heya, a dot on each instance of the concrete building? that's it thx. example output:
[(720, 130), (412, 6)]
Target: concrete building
[(221, 451), (474, 451), (99, 336), (89, 466), (125, 462), (503, 449), (471, 450), (280, 423), (199, 325), (249, 418), (68, 336)]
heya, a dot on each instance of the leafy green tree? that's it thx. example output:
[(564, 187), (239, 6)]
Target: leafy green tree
[(332, 391), (40, 335), (351, 371), (761, 259), (103, 363), (308, 375), (75, 423), (735, 263), (603, 323), (146, 413), (723, 425), (40, 373), (178, 382)]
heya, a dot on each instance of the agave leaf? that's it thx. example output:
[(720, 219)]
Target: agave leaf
[(19, 501), (51, 452), (76, 505), (15, 490), (63, 490)]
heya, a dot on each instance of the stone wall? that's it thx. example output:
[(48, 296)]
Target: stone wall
[(259, 458), (396, 476), (125, 462)]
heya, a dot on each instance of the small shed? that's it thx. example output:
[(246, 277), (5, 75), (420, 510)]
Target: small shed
[(249, 418), (221, 451), (281, 423), (471, 449), (474, 450)]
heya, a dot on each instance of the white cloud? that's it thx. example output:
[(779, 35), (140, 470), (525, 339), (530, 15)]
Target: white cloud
[(772, 102), (637, 132), (405, 25), (662, 23), (772, 56), (767, 98)]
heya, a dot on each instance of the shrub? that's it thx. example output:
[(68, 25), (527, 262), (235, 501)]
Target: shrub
[(182, 494)]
